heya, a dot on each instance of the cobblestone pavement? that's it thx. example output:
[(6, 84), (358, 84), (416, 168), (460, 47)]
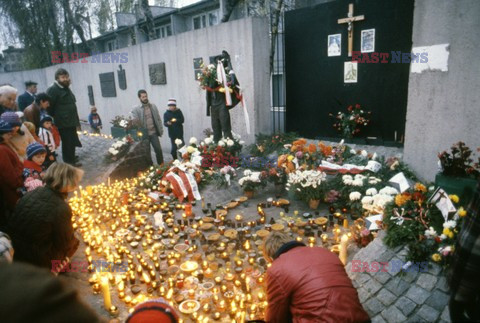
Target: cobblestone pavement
[(387, 296), (396, 296)]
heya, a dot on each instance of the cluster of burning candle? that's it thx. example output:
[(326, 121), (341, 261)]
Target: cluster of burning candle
[(208, 267)]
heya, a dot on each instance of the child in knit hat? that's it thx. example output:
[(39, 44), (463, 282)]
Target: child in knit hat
[(45, 134), (32, 167), (94, 120)]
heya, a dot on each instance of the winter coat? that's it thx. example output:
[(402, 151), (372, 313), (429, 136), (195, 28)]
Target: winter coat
[(25, 100), (310, 285), (94, 120), (175, 130), (41, 228), (138, 113), (63, 107), (46, 136), (30, 294), (11, 180)]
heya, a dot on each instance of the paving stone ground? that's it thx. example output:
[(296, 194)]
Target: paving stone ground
[(387, 296)]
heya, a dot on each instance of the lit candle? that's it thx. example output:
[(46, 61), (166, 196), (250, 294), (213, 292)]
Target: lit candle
[(343, 249), (107, 301), (345, 223)]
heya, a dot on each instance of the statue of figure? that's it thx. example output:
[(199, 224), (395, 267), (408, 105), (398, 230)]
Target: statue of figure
[(222, 96)]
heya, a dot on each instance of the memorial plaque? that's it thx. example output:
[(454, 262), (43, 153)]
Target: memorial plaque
[(157, 73), (122, 78), (91, 98), (107, 85)]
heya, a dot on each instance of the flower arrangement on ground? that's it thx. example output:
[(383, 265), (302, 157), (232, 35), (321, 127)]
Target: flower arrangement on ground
[(351, 122), (224, 152), (223, 178), (308, 185), (119, 148), (268, 144), (252, 180), (411, 220)]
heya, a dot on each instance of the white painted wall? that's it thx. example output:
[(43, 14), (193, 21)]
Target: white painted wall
[(247, 42), (443, 103)]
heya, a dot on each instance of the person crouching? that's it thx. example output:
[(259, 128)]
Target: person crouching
[(307, 284)]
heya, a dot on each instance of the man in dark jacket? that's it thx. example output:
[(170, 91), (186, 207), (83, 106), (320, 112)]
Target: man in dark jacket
[(64, 111), (307, 284), (173, 119), (28, 96), (33, 113)]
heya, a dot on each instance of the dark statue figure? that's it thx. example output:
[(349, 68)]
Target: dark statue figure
[(217, 106)]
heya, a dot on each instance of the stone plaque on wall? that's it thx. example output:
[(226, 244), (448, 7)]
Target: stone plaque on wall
[(107, 85), (157, 73), (91, 98)]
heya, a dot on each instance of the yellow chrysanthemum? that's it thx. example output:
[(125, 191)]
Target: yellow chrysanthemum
[(462, 212), (290, 158), (420, 187), (454, 198), (451, 235), (436, 257), (446, 232), (401, 199)]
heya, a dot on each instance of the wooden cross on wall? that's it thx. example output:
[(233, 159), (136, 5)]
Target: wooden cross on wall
[(349, 20)]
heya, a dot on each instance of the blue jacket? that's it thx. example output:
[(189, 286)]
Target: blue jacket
[(94, 120)]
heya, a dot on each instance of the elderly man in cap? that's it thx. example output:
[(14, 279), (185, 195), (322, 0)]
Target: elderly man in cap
[(173, 119), (29, 96)]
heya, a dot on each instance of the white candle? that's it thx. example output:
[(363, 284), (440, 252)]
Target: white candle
[(107, 300), (343, 249)]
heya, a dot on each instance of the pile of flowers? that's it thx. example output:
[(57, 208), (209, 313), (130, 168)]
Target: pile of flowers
[(350, 123), (307, 184), (252, 180), (411, 220), (268, 144), (224, 152), (119, 148), (209, 81), (189, 153), (459, 162), (224, 176), (128, 123)]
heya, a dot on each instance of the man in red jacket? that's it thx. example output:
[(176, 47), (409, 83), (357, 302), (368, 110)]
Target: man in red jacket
[(308, 284)]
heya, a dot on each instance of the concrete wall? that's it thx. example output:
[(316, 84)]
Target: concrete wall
[(444, 107), (247, 42)]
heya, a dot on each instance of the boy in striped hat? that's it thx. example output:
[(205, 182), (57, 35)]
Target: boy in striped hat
[(32, 167), (173, 119)]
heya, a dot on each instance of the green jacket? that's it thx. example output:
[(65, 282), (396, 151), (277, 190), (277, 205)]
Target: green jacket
[(63, 107), (139, 114)]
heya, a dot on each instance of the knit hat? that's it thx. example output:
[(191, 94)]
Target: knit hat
[(46, 118), (34, 148), (12, 118), (5, 127), (153, 311), (172, 101)]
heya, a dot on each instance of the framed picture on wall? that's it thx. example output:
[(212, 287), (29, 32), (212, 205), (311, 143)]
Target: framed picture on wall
[(334, 45), (350, 72), (368, 41)]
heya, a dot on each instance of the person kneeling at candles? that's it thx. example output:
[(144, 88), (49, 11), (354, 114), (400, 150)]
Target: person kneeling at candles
[(41, 226), (308, 284)]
